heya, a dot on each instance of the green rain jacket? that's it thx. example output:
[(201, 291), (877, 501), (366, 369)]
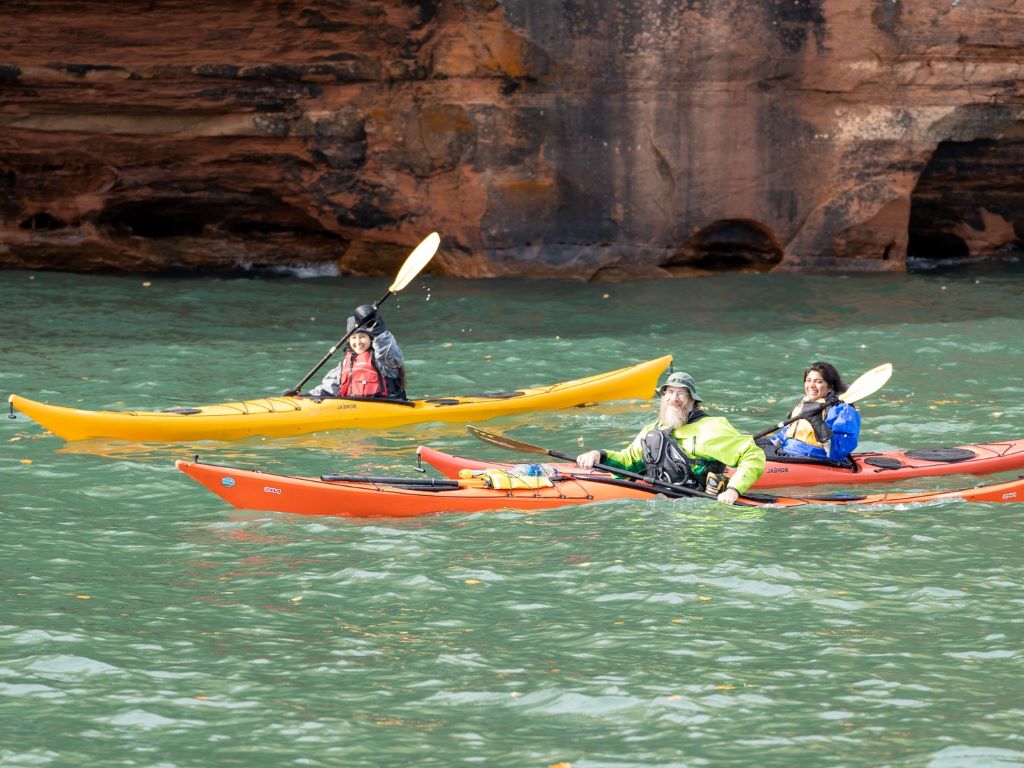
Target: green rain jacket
[(707, 440)]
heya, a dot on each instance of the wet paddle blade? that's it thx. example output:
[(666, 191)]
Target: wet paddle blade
[(867, 383), (417, 260), (504, 442)]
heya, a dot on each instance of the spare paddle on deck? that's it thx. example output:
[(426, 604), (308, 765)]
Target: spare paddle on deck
[(866, 384), (515, 445), (417, 260), (428, 481)]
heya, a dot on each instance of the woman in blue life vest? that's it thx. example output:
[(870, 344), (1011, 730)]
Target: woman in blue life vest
[(372, 364), (829, 429)]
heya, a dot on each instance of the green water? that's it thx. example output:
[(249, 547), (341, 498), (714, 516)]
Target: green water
[(143, 622)]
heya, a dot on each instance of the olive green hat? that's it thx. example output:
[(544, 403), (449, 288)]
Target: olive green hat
[(680, 379)]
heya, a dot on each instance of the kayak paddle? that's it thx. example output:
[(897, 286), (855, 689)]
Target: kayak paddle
[(866, 384), (417, 260), (419, 484), (430, 482), (515, 445)]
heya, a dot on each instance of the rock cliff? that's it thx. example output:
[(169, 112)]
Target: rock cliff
[(593, 139)]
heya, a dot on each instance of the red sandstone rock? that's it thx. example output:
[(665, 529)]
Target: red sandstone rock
[(604, 140)]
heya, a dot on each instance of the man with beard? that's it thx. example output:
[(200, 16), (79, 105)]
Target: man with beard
[(687, 447)]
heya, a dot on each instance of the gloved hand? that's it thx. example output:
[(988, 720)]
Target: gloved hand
[(290, 392), (367, 318), (729, 496)]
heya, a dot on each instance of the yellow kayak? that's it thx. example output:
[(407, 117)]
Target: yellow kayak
[(286, 416)]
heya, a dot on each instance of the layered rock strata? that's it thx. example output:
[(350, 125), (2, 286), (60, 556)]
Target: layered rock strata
[(597, 139)]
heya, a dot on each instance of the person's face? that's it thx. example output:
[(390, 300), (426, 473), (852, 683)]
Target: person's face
[(674, 409), (815, 386), (679, 397), (360, 342)]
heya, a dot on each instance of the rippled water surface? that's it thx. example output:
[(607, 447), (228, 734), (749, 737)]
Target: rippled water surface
[(143, 622)]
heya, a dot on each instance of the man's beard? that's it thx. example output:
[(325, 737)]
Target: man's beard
[(671, 415)]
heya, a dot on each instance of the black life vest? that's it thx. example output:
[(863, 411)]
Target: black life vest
[(807, 432), (666, 462)]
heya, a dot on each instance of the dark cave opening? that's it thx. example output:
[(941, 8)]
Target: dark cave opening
[(253, 213), (969, 200), (42, 220), (729, 245)]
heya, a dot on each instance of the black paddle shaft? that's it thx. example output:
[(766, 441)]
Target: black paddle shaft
[(783, 423), (330, 353)]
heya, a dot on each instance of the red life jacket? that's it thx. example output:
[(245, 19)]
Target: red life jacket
[(360, 377)]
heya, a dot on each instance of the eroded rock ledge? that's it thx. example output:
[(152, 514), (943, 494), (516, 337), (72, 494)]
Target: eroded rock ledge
[(607, 139)]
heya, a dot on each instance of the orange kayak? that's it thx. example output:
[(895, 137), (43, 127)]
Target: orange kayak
[(399, 497), (867, 467)]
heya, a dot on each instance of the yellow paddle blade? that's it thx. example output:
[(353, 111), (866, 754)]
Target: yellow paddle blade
[(867, 383), (417, 260)]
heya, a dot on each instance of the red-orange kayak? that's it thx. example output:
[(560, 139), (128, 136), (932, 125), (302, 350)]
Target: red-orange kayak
[(397, 497), (868, 467)]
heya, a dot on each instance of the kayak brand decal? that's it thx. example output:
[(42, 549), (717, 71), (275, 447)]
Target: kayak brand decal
[(1011, 495), (773, 470), (271, 489), (227, 482)]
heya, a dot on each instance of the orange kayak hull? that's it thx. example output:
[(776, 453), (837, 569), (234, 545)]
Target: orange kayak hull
[(875, 468), (251, 489), (254, 490)]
